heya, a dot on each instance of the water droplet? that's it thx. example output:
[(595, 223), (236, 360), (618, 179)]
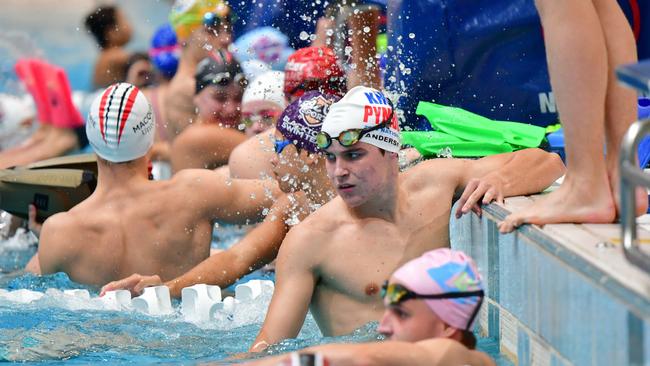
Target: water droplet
[(366, 29), (207, 47), (303, 36), (285, 177), (252, 196), (411, 35)]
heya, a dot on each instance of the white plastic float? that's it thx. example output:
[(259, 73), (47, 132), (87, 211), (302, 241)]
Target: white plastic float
[(154, 301), (200, 303)]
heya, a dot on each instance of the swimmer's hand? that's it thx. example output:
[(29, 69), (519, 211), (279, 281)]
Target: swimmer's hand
[(135, 283), (480, 191), (33, 225)]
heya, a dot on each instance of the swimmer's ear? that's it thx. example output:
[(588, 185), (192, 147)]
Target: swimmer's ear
[(449, 331)]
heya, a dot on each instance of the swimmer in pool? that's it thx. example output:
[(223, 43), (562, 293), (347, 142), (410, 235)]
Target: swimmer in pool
[(336, 259), (262, 104), (423, 323), (202, 26), (310, 68), (220, 84), (131, 224), (112, 31), (300, 172)]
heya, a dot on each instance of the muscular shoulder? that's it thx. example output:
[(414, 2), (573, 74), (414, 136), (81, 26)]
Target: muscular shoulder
[(311, 235), (444, 351), (58, 230), (435, 173)]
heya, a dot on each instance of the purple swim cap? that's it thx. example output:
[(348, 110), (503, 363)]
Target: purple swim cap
[(301, 121)]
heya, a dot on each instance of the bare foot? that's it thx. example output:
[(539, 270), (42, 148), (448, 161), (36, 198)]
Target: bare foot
[(641, 193), (572, 202)]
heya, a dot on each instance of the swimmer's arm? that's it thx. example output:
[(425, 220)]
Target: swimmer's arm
[(521, 172), (495, 177), (229, 200), (294, 285), (430, 352), (259, 247)]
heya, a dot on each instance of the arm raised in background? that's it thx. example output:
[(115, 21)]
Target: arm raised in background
[(295, 281), (431, 352), (259, 247)]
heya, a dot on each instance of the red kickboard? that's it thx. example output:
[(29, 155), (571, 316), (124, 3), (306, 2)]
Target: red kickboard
[(52, 94), (25, 72)]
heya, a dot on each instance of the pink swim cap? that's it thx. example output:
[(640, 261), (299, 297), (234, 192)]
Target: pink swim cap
[(444, 271)]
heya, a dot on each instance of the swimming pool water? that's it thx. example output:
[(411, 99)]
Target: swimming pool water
[(59, 328)]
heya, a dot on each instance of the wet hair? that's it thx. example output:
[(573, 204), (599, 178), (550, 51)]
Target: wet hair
[(99, 21), (468, 339)]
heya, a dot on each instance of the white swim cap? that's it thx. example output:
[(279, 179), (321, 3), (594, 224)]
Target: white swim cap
[(120, 124), (267, 88), (364, 107)]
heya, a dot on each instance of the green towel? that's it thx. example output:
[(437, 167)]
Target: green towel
[(469, 134)]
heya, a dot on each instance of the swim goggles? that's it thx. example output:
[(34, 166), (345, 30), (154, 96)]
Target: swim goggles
[(266, 117), (279, 145), (396, 294), (350, 137)]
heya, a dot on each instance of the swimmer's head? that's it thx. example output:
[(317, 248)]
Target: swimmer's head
[(263, 101), (109, 26), (297, 158), (165, 51), (220, 85), (265, 44), (313, 68), (302, 120), (365, 115), (120, 125), (188, 15), (139, 70), (219, 69), (435, 295)]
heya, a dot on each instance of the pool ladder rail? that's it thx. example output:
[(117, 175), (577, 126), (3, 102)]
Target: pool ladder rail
[(636, 76)]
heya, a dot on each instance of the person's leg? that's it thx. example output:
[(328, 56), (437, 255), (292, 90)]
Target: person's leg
[(577, 62), (620, 102)]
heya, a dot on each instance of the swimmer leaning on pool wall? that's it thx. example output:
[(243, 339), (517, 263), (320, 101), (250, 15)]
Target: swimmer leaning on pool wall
[(335, 260)]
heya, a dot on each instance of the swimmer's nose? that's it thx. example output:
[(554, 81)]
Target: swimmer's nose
[(340, 169), (384, 327)]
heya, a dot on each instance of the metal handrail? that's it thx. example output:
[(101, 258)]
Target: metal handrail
[(631, 177)]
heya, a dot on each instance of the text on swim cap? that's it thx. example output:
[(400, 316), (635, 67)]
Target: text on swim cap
[(376, 98), (380, 113)]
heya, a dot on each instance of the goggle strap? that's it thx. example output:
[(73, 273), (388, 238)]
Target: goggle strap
[(453, 295), (474, 313)]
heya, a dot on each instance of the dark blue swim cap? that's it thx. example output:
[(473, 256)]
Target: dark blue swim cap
[(165, 51)]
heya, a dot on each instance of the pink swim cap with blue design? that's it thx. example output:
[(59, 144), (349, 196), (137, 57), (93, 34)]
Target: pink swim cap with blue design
[(444, 271)]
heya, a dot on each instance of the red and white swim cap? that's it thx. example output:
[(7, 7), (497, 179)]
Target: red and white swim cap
[(120, 124)]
